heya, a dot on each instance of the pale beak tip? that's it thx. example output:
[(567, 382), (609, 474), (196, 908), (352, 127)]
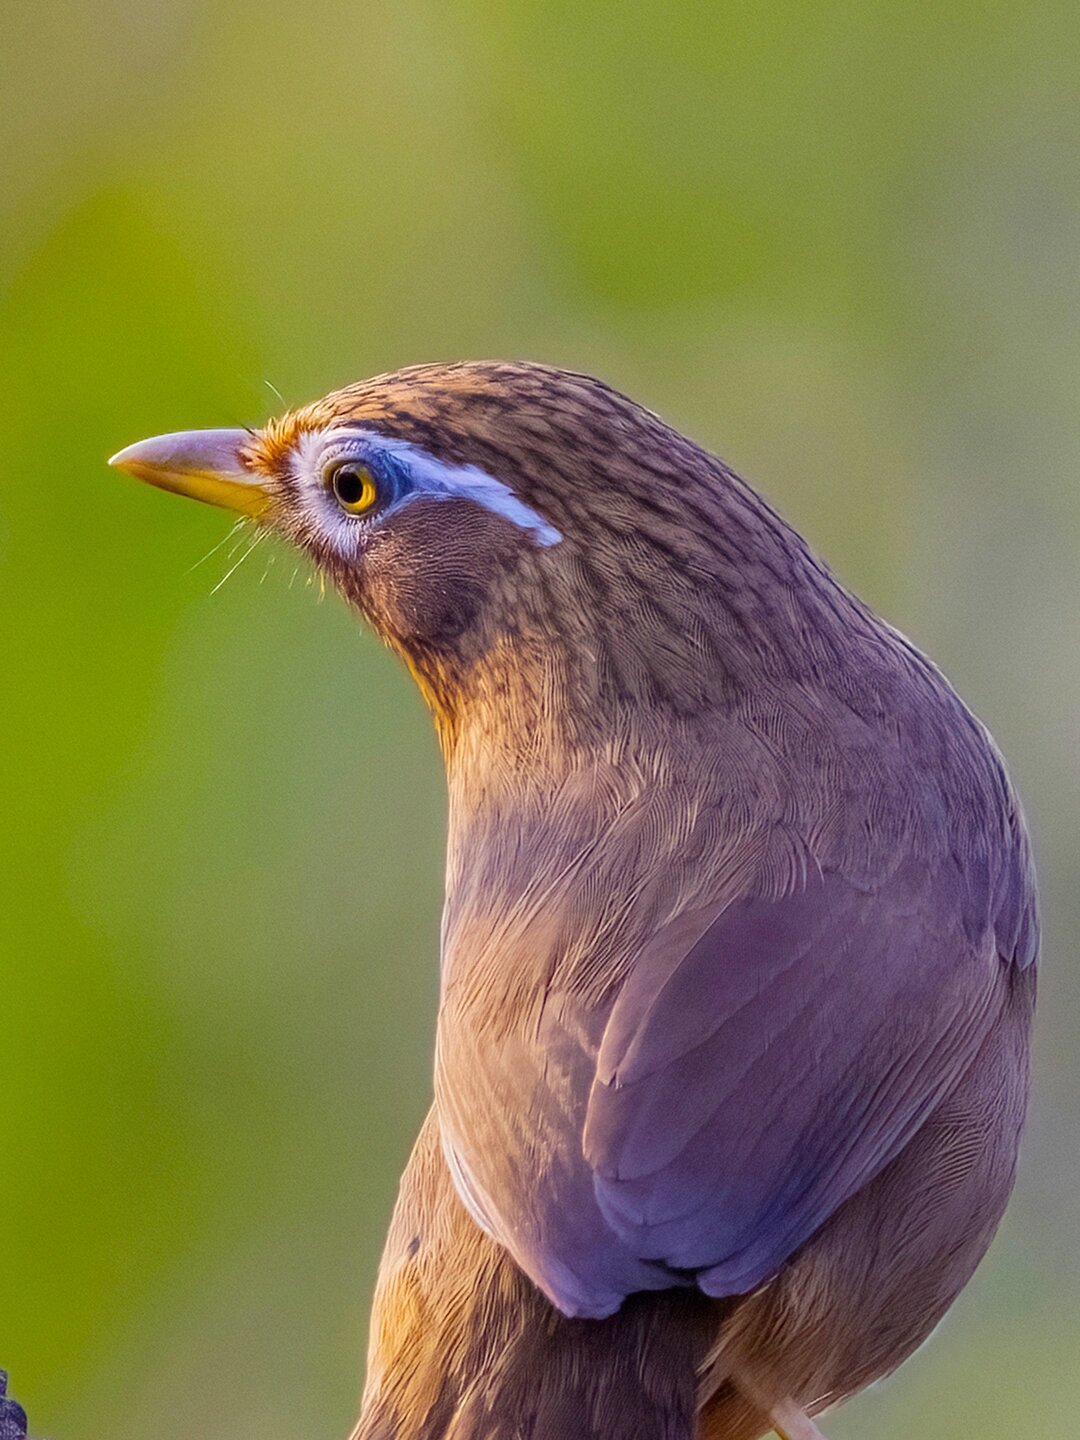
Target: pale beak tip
[(135, 455)]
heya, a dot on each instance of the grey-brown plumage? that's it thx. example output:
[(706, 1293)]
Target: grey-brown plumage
[(739, 933)]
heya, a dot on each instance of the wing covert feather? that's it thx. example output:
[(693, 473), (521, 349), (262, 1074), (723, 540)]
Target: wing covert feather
[(748, 1084)]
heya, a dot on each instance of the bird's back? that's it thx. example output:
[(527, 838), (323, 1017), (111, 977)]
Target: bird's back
[(464, 1347)]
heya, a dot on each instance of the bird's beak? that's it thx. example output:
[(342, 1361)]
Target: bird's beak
[(204, 464)]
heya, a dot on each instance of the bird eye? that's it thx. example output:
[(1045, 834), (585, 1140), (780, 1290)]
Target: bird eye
[(354, 488)]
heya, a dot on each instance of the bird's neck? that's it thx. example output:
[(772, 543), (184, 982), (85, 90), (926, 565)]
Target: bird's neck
[(569, 660), (541, 821), (549, 736)]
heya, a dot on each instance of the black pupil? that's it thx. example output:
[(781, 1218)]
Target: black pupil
[(349, 486)]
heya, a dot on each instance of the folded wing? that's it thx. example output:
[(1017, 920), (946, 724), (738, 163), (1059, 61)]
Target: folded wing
[(751, 1080)]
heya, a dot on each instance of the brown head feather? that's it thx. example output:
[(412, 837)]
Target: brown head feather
[(674, 577)]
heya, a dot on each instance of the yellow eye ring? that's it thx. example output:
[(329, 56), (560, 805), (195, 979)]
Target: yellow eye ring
[(354, 489)]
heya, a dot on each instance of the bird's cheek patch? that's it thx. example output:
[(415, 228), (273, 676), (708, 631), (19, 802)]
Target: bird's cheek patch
[(428, 571)]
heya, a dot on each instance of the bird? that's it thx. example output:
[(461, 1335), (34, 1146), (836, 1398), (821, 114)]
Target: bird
[(738, 953)]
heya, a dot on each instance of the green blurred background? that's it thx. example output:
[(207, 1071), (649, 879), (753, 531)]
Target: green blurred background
[(836, 241)]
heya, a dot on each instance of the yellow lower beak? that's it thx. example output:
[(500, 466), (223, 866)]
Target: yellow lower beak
[(205, 465)]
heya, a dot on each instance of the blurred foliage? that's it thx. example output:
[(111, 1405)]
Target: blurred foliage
[(835, 241)]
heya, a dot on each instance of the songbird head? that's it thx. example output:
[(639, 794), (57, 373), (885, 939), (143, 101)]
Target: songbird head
[(511, 530)]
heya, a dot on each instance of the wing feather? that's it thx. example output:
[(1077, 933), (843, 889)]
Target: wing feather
[(748, 1084)]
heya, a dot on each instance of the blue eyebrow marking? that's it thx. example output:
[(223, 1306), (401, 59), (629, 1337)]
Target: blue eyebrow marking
[(428, 476)]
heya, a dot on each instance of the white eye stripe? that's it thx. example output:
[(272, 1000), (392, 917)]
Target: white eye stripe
[(470, 482), (429, 476)]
